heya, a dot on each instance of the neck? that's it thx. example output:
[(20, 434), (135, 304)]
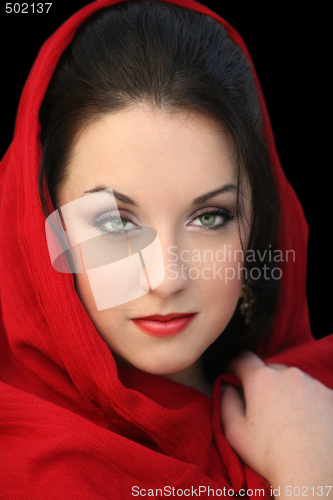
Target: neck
[(193, 376)]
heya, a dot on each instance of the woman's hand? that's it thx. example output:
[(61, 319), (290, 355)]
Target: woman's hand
[(284, 431)]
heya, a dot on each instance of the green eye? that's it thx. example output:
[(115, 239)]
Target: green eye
[(113, 225), (213, 220), (119, 223), (207, 219)]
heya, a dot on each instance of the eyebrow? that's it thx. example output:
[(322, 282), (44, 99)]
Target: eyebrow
[(223, 189), (119, 196), (200, 199)]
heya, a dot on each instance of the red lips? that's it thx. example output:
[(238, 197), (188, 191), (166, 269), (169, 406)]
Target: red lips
[(167, 317), (164, 326)]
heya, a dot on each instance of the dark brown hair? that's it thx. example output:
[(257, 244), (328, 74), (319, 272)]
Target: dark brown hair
[(170, 58)]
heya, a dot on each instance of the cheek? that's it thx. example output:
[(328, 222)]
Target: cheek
[(216, 279), (84, 292), (222, 281), (107, 321)]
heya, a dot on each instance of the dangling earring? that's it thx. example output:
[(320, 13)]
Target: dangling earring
[(247, 307)]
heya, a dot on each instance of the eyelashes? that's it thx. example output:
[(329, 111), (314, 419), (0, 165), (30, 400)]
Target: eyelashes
[(215, 213), (121, 224), (118, 221)]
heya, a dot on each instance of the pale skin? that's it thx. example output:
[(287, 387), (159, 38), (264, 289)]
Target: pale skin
[(285, 433), (164, 162)]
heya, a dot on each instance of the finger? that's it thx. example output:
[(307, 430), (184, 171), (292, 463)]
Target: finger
[(245, 364), (276, 366), (232, 406), (232, 418)]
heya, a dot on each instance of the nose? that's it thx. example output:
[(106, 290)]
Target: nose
[(176, 273)]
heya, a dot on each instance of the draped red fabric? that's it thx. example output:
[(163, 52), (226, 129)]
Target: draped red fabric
[(72, 425)]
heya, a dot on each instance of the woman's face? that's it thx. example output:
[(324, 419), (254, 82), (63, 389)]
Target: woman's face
[(165, 163)]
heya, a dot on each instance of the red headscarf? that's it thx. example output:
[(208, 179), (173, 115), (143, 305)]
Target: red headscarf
[(71, 424)]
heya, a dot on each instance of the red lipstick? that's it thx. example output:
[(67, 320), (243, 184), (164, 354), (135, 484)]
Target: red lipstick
[(164, 326)]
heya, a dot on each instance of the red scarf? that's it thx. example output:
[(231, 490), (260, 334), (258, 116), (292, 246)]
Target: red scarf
[(71, 426)]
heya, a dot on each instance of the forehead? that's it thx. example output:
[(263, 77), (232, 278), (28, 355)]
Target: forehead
[(153, 152)]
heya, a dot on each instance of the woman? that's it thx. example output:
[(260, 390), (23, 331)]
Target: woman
[(173, 120)]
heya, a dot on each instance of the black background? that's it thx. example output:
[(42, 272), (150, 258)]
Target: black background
[(292, 55)]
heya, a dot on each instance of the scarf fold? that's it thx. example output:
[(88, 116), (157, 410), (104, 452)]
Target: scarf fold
[(72, 423)]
